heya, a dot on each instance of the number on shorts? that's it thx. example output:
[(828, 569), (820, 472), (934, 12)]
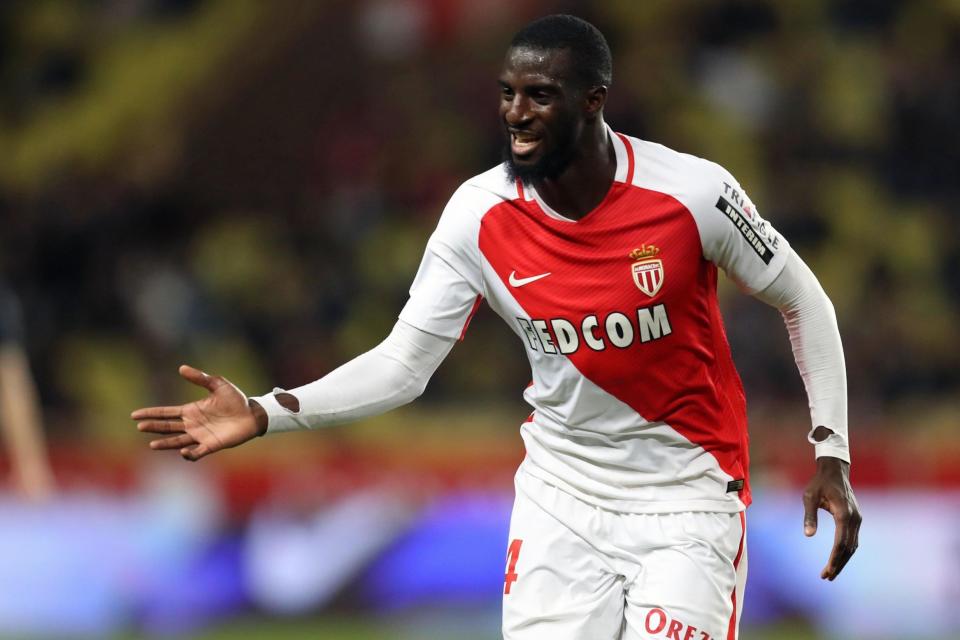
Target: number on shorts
[(513, 553)]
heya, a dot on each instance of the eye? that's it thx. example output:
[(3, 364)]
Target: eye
[(541, 98), (506, 92)]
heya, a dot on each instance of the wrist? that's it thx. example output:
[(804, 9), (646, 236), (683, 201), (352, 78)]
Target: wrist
[(259, 416), (828, 444), (832, 465), (821, 433)]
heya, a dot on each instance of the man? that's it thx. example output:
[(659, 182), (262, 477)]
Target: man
[(600, 251)]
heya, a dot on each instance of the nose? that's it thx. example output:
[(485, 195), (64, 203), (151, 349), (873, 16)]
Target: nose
[(516, 110)]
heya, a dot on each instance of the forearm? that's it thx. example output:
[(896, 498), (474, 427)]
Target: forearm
[(817, 349), (20, 417), (390, 375)]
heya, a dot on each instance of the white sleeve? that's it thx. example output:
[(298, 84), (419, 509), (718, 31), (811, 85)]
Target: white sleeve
[(734, 236), (815, 339), (449, 284), (390, 375)]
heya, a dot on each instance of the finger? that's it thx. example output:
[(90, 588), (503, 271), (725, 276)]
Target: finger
[(194, 452), (157, 412), (844, 538), (837, 552), (850, 543), (855, 533), (842, 559), (199, 378), (161, 426), (811, 501), (173, 442)]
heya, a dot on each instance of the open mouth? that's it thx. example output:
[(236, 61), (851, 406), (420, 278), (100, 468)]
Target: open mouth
[(523, 144)]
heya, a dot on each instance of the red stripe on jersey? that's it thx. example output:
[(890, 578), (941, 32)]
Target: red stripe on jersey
[(685, 379), (520, 189), (732, 628), (629, 147), (476, 305)]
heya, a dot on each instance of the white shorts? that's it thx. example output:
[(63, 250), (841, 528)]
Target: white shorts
[(578, 572)]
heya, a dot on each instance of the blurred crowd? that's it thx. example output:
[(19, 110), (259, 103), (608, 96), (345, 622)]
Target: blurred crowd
[(248, 186)]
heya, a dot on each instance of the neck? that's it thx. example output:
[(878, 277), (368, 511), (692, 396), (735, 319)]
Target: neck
[(584, 183)]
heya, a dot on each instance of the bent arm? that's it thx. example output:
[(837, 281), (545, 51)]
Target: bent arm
[(815, 339), (388, 376)]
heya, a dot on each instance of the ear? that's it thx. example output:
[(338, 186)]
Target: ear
[(593, 100)]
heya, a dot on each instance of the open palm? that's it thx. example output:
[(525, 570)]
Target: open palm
[(219, 421)]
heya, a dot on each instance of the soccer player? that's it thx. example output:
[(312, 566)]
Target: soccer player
[(600, 251)]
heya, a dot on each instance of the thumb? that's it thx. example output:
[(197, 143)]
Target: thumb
[(197, 377), (810, 501)]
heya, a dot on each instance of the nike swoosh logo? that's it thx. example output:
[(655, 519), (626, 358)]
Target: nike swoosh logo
[(519, 282)]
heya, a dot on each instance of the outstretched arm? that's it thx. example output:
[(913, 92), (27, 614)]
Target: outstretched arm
[(391, 374), (222, 420), (443, 297), (815, 340)]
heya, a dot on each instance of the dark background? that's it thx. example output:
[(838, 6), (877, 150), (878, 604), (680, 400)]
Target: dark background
[(249, 186)]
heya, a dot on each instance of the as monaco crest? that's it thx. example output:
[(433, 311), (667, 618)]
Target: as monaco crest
[(647, 271)]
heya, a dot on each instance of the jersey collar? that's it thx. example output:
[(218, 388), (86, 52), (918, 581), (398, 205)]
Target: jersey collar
[(620, 175)]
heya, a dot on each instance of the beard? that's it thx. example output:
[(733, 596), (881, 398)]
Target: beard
[(551, 164)]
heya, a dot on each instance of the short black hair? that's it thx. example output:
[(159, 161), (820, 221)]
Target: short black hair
[(591, 53)]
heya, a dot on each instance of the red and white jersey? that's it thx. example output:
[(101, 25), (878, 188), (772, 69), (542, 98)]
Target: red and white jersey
[(636, 403)]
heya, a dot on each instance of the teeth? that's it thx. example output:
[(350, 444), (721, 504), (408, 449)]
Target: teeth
[(524, 143)]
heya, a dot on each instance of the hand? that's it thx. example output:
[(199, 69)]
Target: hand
[(830, 490), (221, 420)]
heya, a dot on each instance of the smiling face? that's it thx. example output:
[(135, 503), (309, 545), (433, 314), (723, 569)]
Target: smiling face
[(542, 111)]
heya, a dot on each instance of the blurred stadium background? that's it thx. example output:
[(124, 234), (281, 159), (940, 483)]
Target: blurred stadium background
[(248, 186)]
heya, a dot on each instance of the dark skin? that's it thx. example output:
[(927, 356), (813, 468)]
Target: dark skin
[(539, 93), (540, 96), (830, 490), (545, 109)]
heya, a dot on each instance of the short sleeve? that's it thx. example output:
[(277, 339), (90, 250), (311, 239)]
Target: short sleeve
[(448, 286), (734, 235)]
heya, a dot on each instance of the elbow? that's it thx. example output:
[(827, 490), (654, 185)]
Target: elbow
[(417, 389), (410, 387)]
